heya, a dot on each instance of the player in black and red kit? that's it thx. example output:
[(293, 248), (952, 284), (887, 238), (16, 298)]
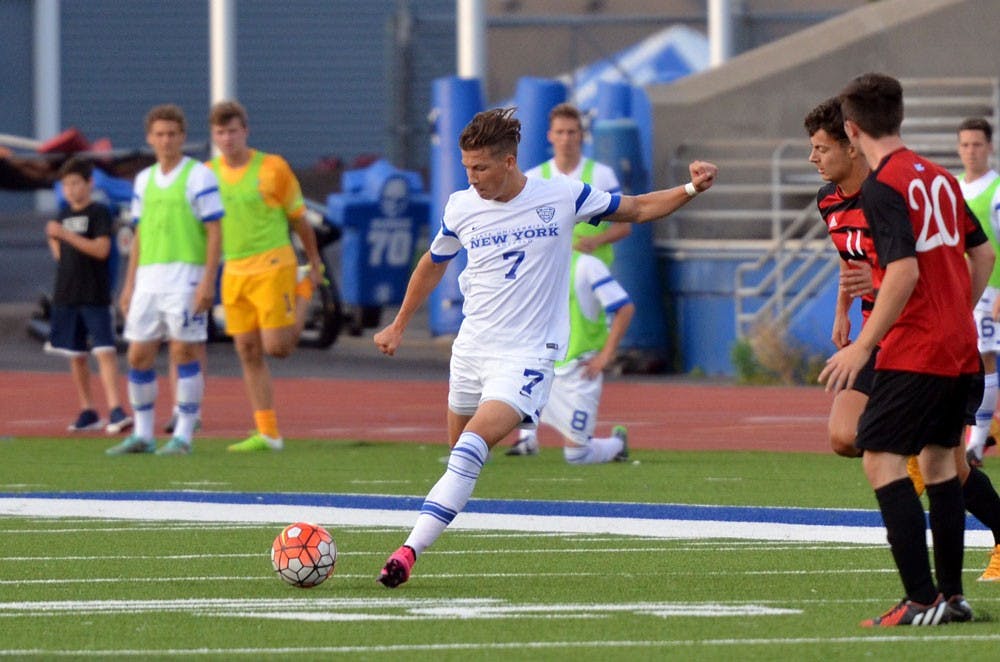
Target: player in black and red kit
[(922, 320), (839, 202)]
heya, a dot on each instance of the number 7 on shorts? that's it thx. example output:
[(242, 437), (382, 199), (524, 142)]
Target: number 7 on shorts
[(534, 376)]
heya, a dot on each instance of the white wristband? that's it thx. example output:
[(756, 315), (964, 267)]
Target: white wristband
[(690, 189)]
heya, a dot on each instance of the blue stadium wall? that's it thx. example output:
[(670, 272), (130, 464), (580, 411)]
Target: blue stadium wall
[(313, 73), (701, 310), (15, 82)]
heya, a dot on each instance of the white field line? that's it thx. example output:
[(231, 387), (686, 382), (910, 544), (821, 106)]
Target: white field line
[(339, 610), (394, 602), (127, 528), (437, 552), (58, 581), (454, 575), (278, 514)]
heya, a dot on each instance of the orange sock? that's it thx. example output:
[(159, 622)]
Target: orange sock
[(267, 423), (304, 288)]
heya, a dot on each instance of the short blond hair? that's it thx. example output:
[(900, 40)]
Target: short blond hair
[(226, 111), (568, 111)]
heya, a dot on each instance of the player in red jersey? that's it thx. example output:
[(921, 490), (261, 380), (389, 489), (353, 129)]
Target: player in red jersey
[(922, 320), (844, 168), (839, 202)]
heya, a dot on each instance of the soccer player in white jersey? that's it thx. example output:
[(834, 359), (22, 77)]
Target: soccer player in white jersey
[(981, 189), (170, 282), (595, 297), (517, 233)]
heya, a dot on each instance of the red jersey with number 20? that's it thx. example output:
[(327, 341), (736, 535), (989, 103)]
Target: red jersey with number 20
[(915, 208), (845, 221)]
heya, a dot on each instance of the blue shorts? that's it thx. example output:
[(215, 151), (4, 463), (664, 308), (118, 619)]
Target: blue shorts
[(71, 326)]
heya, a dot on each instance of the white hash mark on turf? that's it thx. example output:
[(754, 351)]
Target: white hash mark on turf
[(358, 609)]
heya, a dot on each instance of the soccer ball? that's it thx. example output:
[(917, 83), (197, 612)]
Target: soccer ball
[(303, 554)]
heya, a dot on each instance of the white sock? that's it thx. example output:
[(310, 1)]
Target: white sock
[(598, 451), (448, 497), (142, 396), (528, 438), (190, 391), (984, 415)]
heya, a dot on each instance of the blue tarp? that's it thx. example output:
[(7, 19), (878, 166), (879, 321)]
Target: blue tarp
[(670, 54)]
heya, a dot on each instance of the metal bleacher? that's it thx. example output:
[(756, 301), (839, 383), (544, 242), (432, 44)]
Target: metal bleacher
[(765, 204)]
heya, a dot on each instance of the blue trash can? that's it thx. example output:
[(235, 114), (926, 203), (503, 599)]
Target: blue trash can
[(381, 213)]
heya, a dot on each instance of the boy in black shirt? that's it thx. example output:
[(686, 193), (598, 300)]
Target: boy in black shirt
[(80, 241)]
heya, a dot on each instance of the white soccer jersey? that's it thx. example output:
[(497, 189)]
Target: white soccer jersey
[(202, 190), (516, 283), (603, 177), (596, 289)]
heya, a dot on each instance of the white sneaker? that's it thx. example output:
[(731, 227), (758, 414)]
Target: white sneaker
[(525, 446)]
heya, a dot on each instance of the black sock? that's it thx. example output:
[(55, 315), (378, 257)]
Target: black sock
[(982, 501), (906, 531), (947, 517)]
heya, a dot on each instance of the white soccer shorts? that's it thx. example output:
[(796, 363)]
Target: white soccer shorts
[(158, 316), (573, 403), (986, 326), (522, 383)]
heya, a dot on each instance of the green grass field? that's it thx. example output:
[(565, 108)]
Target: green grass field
[(102, 588)]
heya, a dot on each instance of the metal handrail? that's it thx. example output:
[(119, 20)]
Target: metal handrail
[(783, 253)]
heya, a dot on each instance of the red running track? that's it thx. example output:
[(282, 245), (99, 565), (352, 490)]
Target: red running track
[(659, 415)]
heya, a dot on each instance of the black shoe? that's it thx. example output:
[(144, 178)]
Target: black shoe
[(527, 446), (621, 432), (118, 421), (87, 420)]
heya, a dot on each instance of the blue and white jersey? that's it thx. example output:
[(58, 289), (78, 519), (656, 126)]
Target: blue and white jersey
[(516, 283), (596, 289)]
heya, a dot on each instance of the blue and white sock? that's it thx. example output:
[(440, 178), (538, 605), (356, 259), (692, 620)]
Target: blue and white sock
[(190, 391), (598, 451), (452, 491), (142, 396), (984, 415)]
